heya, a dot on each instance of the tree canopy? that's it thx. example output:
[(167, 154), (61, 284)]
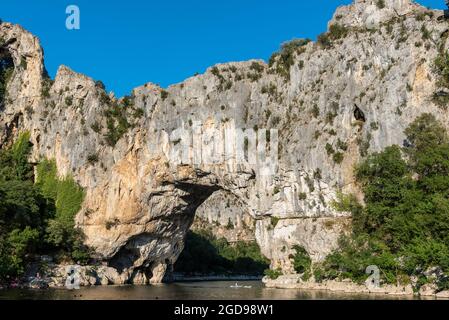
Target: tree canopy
[(403, 228), (35, 218)]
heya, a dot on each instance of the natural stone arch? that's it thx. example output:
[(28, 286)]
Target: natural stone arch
[(149, 256)]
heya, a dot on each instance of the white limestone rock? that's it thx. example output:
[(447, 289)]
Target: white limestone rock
[(142, 194)]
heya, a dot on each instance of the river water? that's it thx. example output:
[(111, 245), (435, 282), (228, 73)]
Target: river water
[(218, 290)]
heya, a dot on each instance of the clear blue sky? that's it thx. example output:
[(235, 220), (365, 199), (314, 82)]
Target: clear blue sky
[(128, 43)]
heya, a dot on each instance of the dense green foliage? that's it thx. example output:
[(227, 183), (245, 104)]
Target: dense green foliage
[(21, 214), (441, 68), (404, 226), (205, 254), (273, 274), (67, 198), (302, 262), (6, 70), (35, 218)]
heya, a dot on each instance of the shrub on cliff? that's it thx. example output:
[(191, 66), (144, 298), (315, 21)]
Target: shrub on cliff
[(336, 32), (441, 68), (119, 119), (324, 40), (6, 71), (302, 262), (273, 274), (284, 59), (120, 115), (380, 4)]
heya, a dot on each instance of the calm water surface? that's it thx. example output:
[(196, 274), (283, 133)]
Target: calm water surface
[(219, 290)]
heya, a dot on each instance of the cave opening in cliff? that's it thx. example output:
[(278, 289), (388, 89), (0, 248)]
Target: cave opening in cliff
[(6, 71), (359, 115)]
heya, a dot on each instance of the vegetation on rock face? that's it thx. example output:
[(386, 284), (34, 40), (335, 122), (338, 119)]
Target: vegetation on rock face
[(35, 217), (336, 32), (274, 221), (67, 197), (6, 71), (164, 95), (47, 83), (120, 117), (302, 262), (404, 226), (284, 59), (441, 68), (273, 274), (380, 4), (205, 254)]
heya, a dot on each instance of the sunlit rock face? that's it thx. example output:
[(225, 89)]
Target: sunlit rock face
[(240, 132), (371, 13)]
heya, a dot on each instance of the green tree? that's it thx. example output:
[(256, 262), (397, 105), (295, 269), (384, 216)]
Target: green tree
[(67, 197), (404, 226), (31, 212), (302, 262)]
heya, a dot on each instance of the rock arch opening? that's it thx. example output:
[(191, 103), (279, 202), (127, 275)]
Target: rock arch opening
[(204, 224), (221, 241)]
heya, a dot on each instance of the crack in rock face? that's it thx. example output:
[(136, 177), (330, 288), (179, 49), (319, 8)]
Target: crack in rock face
[(145, 180)]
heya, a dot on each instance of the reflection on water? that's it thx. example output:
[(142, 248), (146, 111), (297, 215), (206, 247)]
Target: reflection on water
[(220, 290)]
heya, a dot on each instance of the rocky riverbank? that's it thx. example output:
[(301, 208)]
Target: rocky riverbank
[(84, 276), (347, 286), (56, 276)]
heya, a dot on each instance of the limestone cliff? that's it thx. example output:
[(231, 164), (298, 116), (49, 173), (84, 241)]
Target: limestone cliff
[(327, 105)]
